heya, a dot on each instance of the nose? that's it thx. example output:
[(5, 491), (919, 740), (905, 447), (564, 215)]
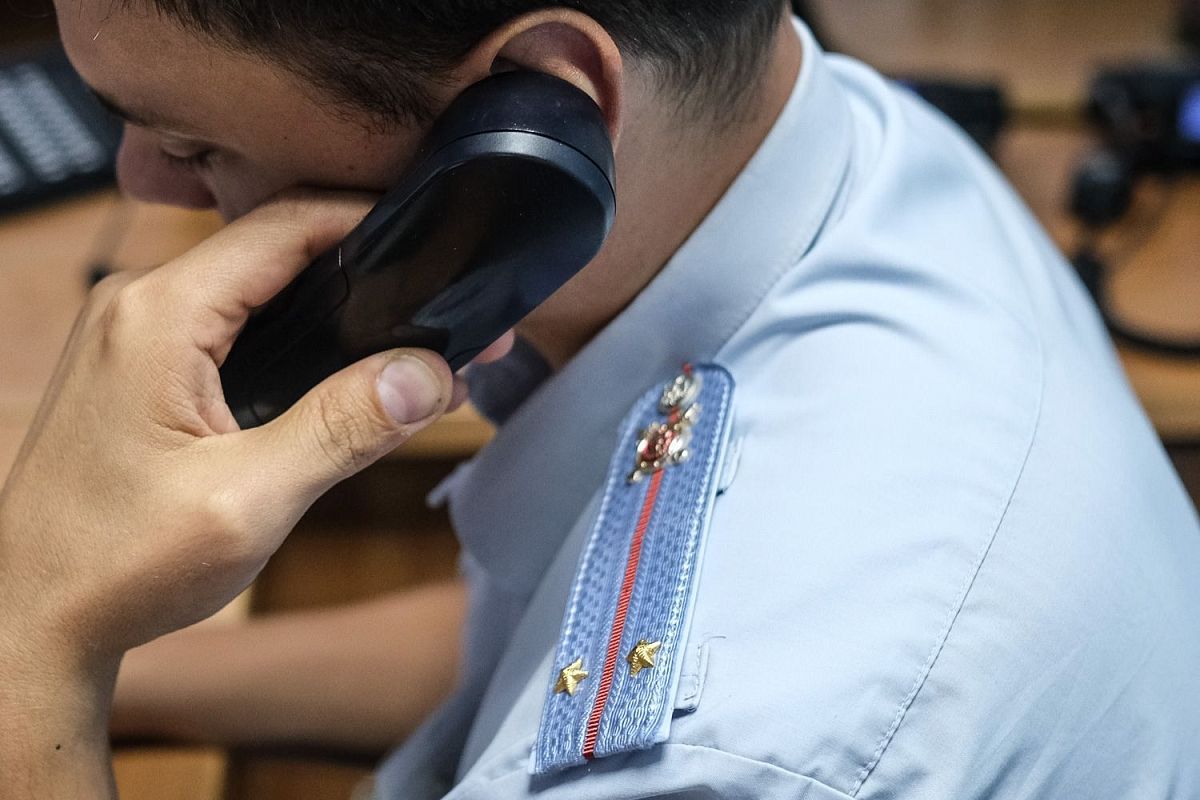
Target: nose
[(144, 174)]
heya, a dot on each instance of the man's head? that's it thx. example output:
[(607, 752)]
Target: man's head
[(233, 100)]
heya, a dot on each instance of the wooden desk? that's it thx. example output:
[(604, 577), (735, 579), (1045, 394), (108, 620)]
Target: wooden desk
[(1043, 51)]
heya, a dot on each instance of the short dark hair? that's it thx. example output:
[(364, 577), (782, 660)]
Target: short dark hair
[(383, 56)]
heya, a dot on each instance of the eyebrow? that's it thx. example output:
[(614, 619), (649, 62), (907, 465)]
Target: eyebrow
[(142, 120)]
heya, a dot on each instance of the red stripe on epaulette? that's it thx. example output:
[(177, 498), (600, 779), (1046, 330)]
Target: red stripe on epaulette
[(618, 629)]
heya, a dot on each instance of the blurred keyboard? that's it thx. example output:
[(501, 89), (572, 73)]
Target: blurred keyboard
[(55, 139)]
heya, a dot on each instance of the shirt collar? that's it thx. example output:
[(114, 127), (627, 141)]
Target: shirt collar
[(516, 502)]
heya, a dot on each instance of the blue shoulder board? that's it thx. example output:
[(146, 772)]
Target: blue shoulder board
[(617, 668)]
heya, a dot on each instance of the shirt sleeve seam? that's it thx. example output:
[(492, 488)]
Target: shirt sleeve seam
[(906, 703)]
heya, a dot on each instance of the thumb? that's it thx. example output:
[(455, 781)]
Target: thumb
[(356, 417)]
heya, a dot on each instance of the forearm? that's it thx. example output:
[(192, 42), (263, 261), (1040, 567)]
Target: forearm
[(356, 679)]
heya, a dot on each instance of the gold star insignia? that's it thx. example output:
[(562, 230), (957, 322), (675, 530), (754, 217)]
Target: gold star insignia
[(643, 656), (570, 679)]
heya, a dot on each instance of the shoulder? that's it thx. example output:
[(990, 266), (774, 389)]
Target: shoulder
[(947, 515), (947, 509)]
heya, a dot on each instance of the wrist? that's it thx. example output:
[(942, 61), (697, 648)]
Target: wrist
[(48, 623), (53, 732)]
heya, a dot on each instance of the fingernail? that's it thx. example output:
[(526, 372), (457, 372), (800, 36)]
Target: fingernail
[(409, 390)]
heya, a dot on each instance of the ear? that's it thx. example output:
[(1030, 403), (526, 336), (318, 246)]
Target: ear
[(560, 42)]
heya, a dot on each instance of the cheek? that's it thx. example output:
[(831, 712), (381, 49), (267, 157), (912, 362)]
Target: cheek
[(144, 174)]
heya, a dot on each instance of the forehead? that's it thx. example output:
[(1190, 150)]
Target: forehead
[(118, 36), (151, 66)]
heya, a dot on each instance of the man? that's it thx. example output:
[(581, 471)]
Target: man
[(931, 547)]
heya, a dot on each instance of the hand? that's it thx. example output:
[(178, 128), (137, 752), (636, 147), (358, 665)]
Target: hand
[(136, 506)]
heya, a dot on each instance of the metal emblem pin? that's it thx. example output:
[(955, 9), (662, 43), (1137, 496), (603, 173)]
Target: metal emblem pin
[(570, 678), (661, 446), (681, 393), (665, 444), (643, 657)]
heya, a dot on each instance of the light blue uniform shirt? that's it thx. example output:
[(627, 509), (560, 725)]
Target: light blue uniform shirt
[(951, 559)]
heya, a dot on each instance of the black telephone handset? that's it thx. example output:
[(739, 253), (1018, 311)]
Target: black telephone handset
[(510, 196)]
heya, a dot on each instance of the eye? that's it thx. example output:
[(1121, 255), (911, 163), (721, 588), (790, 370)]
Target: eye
[(195, 161)]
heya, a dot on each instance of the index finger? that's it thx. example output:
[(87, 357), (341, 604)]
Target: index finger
[(215, 286)]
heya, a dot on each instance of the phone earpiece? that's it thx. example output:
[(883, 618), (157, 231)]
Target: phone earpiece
[(509, 197)]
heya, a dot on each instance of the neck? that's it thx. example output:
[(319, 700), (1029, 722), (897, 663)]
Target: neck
[(680, 171)]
